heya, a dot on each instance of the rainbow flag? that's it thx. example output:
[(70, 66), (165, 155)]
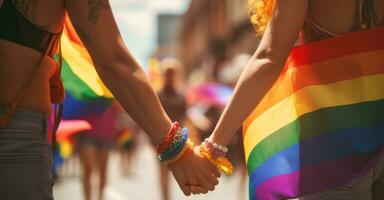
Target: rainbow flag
[(85, 92), (322, 123), (125, 137)]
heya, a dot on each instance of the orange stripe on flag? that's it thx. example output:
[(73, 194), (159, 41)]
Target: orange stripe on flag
[(294, 78)]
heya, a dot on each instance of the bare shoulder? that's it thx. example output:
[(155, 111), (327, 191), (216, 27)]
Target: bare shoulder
[(46, 14)]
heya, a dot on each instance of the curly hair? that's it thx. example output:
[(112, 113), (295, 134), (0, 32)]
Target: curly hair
[(259, 12)]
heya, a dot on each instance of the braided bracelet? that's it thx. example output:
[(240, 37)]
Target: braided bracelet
[(216, 149), (168, 138), (186, 150), (176, 148)]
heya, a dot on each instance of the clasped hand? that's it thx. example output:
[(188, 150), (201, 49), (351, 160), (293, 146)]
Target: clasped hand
[(195, 174)]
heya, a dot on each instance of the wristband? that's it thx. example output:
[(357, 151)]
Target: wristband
[(186, 150), (168, 138), (176, 148), (222, 163), (216, 146)]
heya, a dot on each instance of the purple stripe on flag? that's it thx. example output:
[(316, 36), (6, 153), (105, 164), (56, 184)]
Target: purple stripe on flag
[(326, 175)]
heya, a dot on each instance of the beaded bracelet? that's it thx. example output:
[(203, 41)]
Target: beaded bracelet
[(176, 148), (168, 138), (216, 149), (186, 150), (222, 163)]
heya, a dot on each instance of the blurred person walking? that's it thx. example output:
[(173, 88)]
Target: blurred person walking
[(30, 82), (94, 148), (175, 106), (127, 141)]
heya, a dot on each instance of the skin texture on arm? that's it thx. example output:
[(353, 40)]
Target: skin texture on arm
[(264, 67), (96, 26)]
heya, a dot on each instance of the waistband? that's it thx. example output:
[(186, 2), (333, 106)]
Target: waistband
[(26, 132), (27, 115)]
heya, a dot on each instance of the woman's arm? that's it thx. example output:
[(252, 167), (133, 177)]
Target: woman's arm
[(96, 26), (97, 29), (264, 67)]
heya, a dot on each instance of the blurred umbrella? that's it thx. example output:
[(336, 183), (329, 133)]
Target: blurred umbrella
[(64, 147), (68, 128), (212, 94)]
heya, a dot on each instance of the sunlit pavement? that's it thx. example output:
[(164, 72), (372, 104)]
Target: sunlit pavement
[(143, 183)]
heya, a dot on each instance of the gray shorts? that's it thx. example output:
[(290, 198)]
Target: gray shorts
[(25, 158)]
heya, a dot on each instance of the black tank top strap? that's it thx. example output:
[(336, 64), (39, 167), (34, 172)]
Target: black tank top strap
[(365, 18), (15, 27)]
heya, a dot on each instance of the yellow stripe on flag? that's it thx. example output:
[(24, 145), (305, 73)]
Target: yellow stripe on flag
[(81, 64), (322, 96)]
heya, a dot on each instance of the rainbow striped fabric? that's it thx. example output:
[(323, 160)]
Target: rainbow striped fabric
[(322, 123), (85, 92)]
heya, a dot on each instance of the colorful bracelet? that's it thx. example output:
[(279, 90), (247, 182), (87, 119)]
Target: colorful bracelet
[(216, 149), (168, 138), (176, 147), (222, 163), (186, 150)]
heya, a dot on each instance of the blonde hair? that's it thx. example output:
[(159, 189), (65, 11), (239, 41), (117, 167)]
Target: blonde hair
[(260, 12)]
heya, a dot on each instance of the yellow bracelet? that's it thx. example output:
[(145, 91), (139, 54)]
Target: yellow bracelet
[(188, 145), (222, 163)]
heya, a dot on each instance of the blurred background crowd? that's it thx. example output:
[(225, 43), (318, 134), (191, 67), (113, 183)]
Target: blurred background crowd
[(193, 51)]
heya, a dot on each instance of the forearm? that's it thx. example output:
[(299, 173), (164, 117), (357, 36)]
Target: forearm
[(256, 79), (132, 89)]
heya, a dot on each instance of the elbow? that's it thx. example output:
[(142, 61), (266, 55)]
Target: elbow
[(260, 68), (116, 64), (270, 58)]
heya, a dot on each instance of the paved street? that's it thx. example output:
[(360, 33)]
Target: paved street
[(143, 183)]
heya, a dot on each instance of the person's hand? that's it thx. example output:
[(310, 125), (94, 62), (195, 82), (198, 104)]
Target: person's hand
[(194, 174)]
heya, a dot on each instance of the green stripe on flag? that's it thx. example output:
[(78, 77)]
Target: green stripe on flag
[(75, 86), (316, 123)]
